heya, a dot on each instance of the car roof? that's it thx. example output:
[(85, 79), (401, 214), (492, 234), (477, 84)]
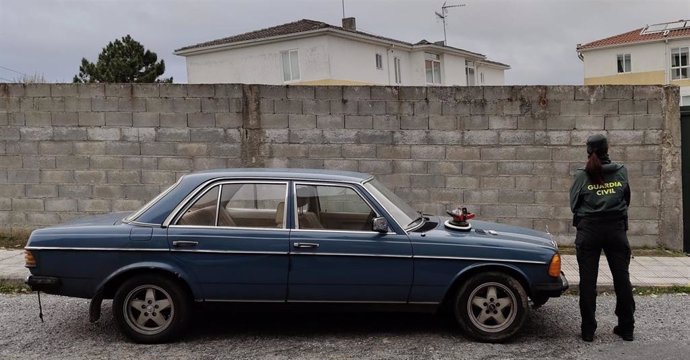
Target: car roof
[(288, 174)]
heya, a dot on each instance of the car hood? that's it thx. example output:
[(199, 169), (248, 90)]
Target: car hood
[(491, 232), (95, 220)]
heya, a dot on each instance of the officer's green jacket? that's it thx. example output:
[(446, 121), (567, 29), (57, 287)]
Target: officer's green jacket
[(601, 201)]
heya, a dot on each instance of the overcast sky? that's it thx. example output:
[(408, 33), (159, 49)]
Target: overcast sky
[(537, 38)]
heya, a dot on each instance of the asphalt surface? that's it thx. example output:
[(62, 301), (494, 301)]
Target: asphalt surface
[(662, 332)]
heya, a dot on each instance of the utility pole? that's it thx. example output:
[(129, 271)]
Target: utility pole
[(343, 1), (443, 14)]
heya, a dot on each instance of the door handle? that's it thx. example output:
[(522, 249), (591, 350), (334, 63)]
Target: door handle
[(305, 245), (183, 244)]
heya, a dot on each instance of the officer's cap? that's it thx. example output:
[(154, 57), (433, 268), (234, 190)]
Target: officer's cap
[(597, 143)]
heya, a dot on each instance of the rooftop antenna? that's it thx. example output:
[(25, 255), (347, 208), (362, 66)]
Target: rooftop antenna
[(443, 14)]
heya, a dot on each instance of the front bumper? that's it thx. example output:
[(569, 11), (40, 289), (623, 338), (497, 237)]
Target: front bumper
[(43, 283), (552, 289)]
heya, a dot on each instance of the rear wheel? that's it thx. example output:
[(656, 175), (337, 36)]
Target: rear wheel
[(491, 307), (151, 309)]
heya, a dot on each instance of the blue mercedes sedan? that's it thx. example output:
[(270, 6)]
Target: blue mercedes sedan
[(294, 236)]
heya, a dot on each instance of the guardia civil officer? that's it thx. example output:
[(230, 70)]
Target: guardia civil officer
[(599, 199)]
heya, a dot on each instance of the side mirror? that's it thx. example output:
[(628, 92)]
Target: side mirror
[(380, 224)]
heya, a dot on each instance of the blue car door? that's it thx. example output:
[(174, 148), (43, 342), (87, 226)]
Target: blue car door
[(336, 257), (233, 238)]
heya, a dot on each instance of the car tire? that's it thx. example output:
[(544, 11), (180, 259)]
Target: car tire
[(151, 309), (491, 307)]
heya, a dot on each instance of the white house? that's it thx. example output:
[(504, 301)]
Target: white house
[(651, 55), (309, 52)]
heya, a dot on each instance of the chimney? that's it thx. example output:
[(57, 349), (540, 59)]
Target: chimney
[(349, 24)]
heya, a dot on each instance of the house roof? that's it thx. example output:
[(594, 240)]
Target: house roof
[(306, 25), (648, 33)]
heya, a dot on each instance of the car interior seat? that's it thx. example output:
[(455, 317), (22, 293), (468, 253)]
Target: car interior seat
[(306, 219)]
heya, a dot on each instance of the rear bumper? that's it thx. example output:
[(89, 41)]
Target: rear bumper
[(47, 284), (554, 289)]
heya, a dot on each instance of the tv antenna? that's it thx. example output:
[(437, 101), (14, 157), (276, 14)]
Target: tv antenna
[(442, 15)]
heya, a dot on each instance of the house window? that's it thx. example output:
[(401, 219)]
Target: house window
[(623, 63), (396, 67), (469, 72), (685, 101), (379, 61), (679, 63), (290, 65), (481, 77), (433, 68)]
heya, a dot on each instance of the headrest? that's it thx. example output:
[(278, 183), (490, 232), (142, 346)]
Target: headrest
[(304, 193)]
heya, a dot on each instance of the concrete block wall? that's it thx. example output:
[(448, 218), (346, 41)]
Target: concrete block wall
[(507, 153)]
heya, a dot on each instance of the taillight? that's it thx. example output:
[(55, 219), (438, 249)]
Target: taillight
[(29, 259), (555, 266)]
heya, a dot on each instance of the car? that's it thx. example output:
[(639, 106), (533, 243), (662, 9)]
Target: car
[(293, 236)]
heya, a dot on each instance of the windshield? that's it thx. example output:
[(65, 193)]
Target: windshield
[(403, 213)]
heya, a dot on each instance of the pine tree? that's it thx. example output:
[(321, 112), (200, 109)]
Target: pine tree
[(122, 61)]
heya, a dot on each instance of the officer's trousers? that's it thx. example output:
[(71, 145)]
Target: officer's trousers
[(592, 237)]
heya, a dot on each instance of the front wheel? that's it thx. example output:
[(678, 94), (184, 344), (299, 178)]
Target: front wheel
[(151, 309), (491, 307)]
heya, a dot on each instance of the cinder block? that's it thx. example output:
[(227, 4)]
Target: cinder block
[(12, 191), (384, 93), (618, 122), (498, 153), (229, 90), (201, 90), (533, 153), (108, 191), (560, 92), (273, 91), (106, 162), (427, 181), (173, 90), (476, 197), (38, 162), (410, 137), (443, 122), (375, 166), (325, 151), (574, 108), (618, 92), (483, 107), (374, 137), (57, 176), (23, 176), (592, 122), (127, 205), (502, 122), (224, 150), (300, 92), (89, 148), (204, 163), (488, 211), (60, 205), (172, 134), (340, 136), (386, 122), (604, 107), (477, 168), (7, 162), (105, 104), (41, 191), (305, 136), (316, 107), (228, 120), (428, 152), (393, 152), (36, 133), (118, 90), (474, 122), (37, 90), (235, 136), (515, 168), (359, 151), (201, 120), (358, 122), (455, 108), (328, 92), (49, 104), (536, 183), (462, 153), (284, 106), (89, 176), (414, 122), (91, 119), (9, 134), (561, 122), (104, 134), (625, 137), (469, 93), (72, 162), (145, 119), (141, 191), (274, 121), (157, 177), (343, 107), (480, 137), (215, 105), (186, 105), (589, 93), (191, 149), (445, 167), (210, 135), (158, 149), (301, 121), (497, 182), (159, 105), (122, 148), (90, 205), (631, 107), (64, 119), (146, 90), (410, 167), (651, 121), (371, 107), (444, 137), (124, 177), (552, 137), (131, 104), (462, 182)]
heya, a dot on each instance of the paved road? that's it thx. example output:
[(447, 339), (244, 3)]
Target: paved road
[(663, 327)]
